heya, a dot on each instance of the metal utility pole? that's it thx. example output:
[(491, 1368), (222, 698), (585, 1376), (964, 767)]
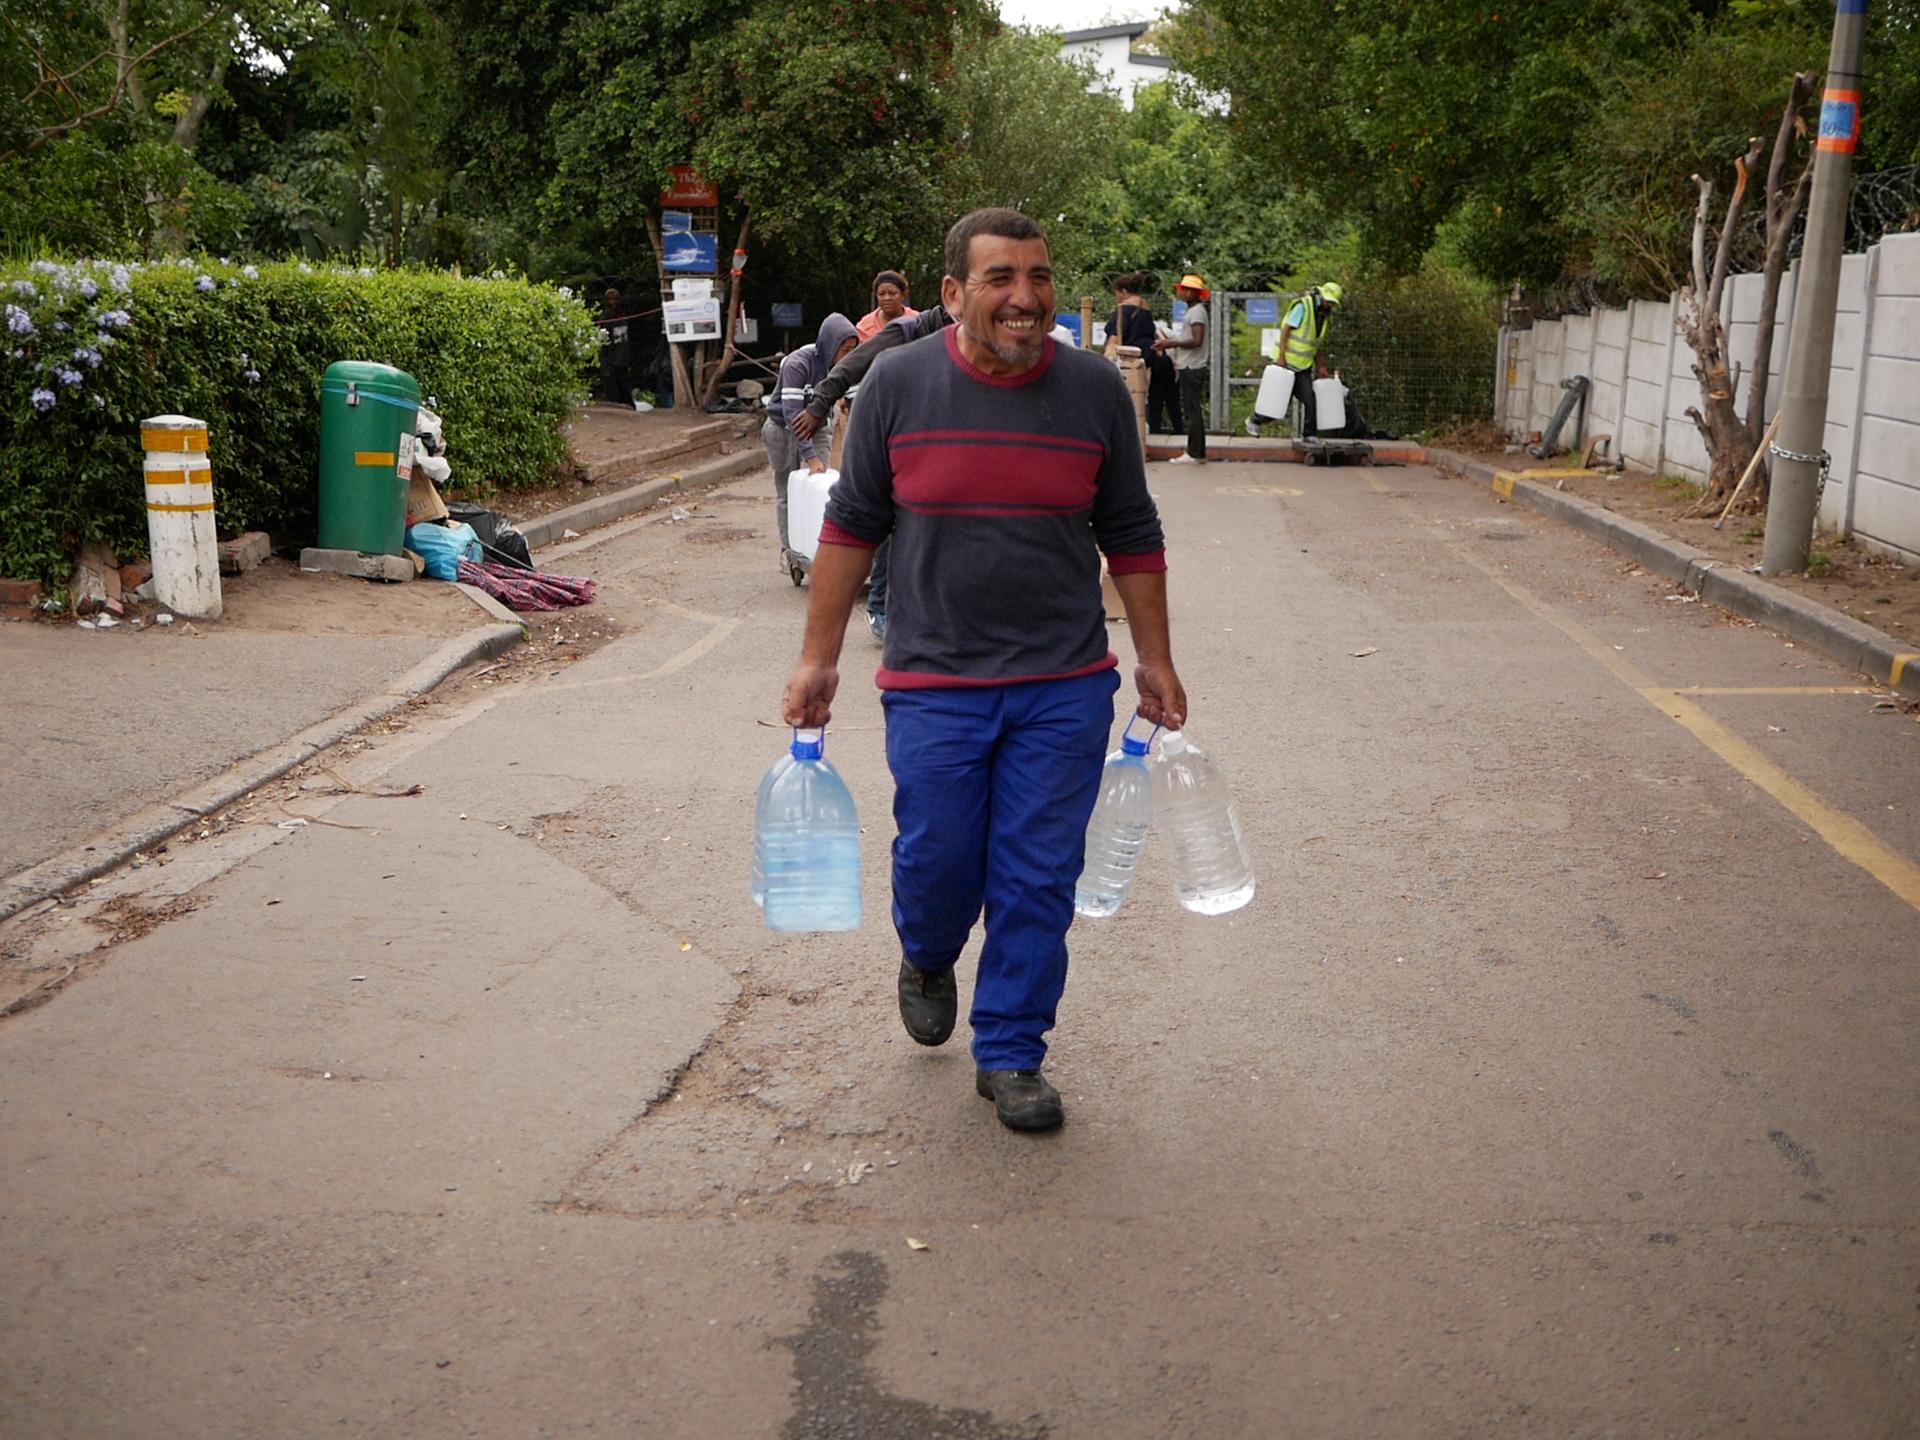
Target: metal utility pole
[(1799, 455)]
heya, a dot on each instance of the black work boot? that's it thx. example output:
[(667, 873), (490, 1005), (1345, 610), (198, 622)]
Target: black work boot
[(929, 1001), (1021, 1098)]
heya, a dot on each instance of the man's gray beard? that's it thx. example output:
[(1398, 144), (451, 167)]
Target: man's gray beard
[(1021, 357)]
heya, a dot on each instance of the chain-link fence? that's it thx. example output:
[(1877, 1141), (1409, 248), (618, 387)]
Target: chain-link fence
[(1417, 354)]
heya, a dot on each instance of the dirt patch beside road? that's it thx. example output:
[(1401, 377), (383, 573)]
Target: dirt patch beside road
[(1846, 576)]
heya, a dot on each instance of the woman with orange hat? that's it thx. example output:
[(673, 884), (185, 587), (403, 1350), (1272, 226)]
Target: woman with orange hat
[(1189, 346)]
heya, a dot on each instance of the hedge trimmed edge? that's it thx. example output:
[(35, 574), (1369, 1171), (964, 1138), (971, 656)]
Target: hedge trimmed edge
[(89, 349)]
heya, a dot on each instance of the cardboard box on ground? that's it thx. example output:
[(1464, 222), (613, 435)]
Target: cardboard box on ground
[(423, 501)]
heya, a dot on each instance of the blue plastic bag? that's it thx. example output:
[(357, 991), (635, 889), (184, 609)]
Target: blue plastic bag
[(443, 547)]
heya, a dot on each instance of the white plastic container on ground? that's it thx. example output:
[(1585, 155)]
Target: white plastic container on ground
[(1329, 404)]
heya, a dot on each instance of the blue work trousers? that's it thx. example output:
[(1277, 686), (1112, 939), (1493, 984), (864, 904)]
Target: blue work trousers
[(992, 789)]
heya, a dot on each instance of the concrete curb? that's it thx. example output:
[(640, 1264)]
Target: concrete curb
[(604, 509), (158, 822), (1852, 642)]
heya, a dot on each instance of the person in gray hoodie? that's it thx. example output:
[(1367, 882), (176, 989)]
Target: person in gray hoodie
[(787, 449)]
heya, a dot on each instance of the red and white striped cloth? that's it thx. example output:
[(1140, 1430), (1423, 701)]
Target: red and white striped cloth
[(519, 589)]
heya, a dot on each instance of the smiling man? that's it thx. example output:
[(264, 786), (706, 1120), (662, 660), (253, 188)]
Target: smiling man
[(1003, 466)]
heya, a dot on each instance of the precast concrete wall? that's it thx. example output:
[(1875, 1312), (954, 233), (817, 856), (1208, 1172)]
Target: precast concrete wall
[(1641, 384)]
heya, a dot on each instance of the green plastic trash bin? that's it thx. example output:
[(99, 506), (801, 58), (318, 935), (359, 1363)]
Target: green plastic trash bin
[(366, 453)]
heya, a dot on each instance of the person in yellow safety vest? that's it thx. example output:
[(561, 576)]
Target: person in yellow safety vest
[(1301, 332)]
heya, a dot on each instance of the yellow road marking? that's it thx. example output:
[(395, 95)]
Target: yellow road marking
[(1503, 483), (1848, 838), (1770, 690), (1257, 490), (1900, 665)]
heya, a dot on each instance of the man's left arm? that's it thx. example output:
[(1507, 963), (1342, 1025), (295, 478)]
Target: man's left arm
[(1163, 700), (1126, 527)]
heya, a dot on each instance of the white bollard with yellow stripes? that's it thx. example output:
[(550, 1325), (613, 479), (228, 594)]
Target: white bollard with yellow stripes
[(180, 529)]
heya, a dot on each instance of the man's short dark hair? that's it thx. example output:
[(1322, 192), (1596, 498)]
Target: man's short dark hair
[(1005, 224)]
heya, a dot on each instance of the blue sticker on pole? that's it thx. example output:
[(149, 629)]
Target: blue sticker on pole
[(1839, 121), (1179, 312), (1263, 310)]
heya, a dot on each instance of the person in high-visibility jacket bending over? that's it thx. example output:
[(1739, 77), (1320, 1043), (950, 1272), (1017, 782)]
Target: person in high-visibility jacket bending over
[(1301, 332)]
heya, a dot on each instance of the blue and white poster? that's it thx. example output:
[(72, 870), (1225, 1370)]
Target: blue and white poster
[(1263, 310), (786, 315), (698, 254)]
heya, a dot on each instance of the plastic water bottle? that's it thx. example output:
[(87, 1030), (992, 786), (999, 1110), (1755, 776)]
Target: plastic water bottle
[(1212, 871), (1117, 830), (774, 772), (809, 836)]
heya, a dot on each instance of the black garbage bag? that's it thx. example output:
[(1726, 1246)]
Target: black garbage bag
[(497, 536)]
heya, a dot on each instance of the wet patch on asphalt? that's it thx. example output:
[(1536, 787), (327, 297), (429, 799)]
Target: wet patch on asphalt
[(840, 1398)]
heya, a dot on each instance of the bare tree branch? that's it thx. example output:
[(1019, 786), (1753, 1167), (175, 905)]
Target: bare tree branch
[(1742, 170), (129, 69)]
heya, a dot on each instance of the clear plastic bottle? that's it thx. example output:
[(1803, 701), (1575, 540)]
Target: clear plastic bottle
[(1117, 830), (774, 772), (809, 836), (1212, 870)]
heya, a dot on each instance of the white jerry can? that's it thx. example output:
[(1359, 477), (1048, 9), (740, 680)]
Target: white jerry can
[(1329, 404), (807, 509), (1276, 392)]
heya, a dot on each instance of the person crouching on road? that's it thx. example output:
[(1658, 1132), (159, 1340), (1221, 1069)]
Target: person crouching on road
[(786, 450), (1003, 466), (1188, 344)]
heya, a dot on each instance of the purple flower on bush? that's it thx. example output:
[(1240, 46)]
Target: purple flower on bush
[(203, 284), (26, 288), (252, 377), (99, 402), (43, 400), (68, 376), (88, 356), (61, 327), (113, 320), (250, 272), (18, 321), (88, 289), (120, 280)]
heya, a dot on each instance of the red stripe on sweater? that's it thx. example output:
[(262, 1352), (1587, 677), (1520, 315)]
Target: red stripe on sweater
[(969, 477), (918, 680), (1147, 564), (832, 534)]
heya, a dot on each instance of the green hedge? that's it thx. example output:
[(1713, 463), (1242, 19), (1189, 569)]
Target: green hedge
[(88, 350)]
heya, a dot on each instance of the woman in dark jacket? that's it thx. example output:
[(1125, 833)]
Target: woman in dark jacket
[(1132, 324)]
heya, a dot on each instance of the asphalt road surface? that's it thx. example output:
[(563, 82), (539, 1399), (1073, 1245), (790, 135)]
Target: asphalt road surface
[(1559, 1081)]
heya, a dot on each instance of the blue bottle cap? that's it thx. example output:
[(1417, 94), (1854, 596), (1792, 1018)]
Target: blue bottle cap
[(808, 744), (1131, 746)]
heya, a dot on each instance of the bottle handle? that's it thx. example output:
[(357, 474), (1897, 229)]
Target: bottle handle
[(1128, 730), (818, 740)]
